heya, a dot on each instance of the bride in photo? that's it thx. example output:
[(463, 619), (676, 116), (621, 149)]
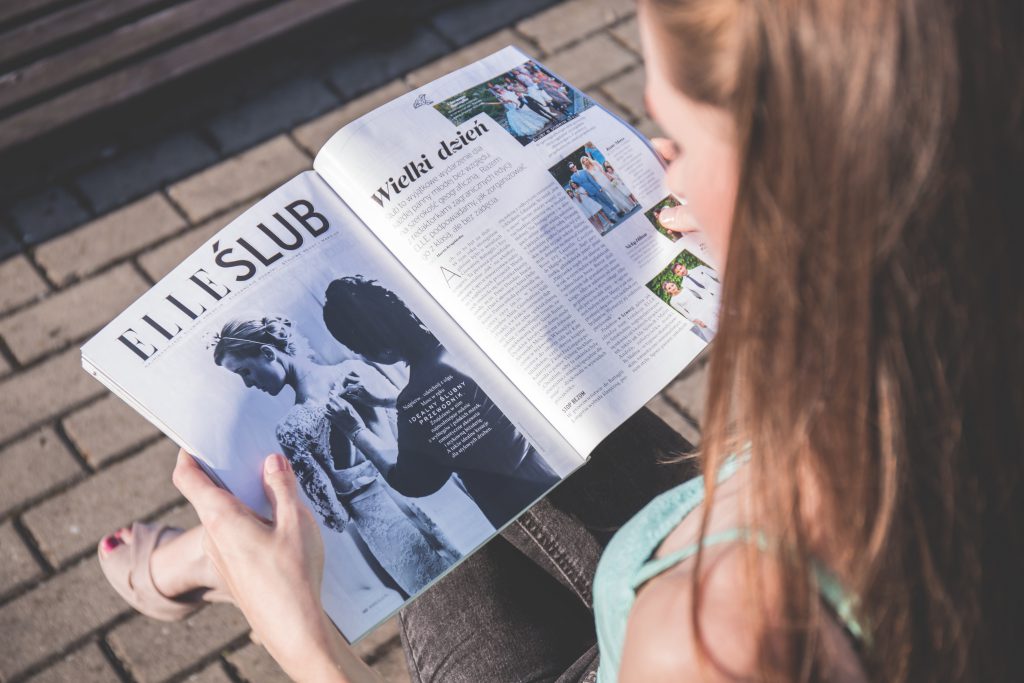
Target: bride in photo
[(344, 487)]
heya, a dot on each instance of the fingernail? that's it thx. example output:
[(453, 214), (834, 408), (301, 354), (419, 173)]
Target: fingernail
[(276, 463), (109, 543)]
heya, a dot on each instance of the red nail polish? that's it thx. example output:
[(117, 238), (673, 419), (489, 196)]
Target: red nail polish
[(109, 543)]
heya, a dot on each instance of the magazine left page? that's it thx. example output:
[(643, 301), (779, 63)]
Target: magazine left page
[(294, 330)]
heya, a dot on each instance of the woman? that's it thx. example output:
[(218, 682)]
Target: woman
[(501, 470), (591, 209), (618, 198), (854, 166), (522, 122), (621, 186)]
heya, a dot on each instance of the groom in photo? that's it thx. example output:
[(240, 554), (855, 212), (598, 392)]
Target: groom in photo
[(583, 178)]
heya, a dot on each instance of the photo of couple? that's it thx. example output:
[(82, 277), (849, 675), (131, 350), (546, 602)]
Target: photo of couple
[(591, 182), (691, 287), (527, 101), (396, 420)]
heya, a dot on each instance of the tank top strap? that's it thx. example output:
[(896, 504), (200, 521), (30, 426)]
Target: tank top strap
[(842, 602), (659, 565)]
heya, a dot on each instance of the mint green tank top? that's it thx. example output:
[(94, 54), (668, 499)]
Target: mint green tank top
[(628, 563)]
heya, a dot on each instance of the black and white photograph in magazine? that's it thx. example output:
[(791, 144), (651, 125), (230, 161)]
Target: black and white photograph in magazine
[(395, 446)]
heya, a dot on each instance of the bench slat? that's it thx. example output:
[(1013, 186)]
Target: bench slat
[(17, 8), (51, 28), (103, 51), (161, 68)]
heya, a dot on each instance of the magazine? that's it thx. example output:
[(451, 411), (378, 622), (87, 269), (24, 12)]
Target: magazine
[(436, 325)]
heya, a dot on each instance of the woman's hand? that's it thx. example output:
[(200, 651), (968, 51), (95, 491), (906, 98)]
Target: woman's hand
[(673, 218), (368, 387), (274, 569), (342, 414)]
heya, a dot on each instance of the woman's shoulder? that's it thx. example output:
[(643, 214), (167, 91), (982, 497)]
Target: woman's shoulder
[(661, 643), (739, 616)]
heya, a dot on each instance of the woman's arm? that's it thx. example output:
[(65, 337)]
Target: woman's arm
[(274, 570), (407, 471), (346, 418)]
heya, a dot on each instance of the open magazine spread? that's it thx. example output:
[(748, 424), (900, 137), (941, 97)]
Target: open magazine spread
[(437, 325)]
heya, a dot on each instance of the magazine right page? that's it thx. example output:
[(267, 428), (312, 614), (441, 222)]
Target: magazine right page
[(531, 214)]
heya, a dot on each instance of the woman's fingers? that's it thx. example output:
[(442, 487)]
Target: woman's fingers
[(666, 149), (279, 485), (207, 498), (677, 219)]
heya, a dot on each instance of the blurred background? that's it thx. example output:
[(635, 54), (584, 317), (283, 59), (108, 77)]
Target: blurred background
[(131, 131)]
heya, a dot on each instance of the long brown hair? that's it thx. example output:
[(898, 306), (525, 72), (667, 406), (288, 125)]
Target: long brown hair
[(872, 331)]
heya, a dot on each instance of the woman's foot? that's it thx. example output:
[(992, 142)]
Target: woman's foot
[(162, 572)]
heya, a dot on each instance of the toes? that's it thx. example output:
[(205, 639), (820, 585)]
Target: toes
[(110, 543), (124, 534)]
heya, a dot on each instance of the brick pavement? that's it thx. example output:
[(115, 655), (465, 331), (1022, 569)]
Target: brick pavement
[(74, 461)]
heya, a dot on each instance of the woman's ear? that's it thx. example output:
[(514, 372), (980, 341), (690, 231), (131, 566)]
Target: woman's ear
[(268, 352)]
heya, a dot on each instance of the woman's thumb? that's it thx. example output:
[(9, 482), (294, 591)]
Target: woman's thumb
[(677, 219), (279, 485)]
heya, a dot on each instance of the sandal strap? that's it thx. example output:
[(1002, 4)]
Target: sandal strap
[(145, 539)]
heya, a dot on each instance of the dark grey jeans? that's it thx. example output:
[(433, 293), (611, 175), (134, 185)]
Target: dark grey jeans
[(520, 608)]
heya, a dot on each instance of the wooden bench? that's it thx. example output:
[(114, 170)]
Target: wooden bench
[(62, 60)]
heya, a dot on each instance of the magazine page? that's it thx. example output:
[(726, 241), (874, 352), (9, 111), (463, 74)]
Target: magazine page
[(531, 214), (294, 330)]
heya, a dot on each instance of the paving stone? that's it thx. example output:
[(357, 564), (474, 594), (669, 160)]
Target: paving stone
[(567, 22), (470, 21), (611, 105), (17, 566), (141, 171), (75, 520), (19, 283), (33, 465), (46, 214), (378, 640), (468, 55), (689, 391), (54, 614), (214, 673), (627, 90), (588, 63), (5, 366), (107, 429), (674, 418), (242, 177), (8, 244), (253, 664), (71, 313), (48, 389), (85, 665), (154, 650), (270, 113), (314, 134), (392, 666), (109, 238), (376, 65), (628, 33), (162, 260)]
